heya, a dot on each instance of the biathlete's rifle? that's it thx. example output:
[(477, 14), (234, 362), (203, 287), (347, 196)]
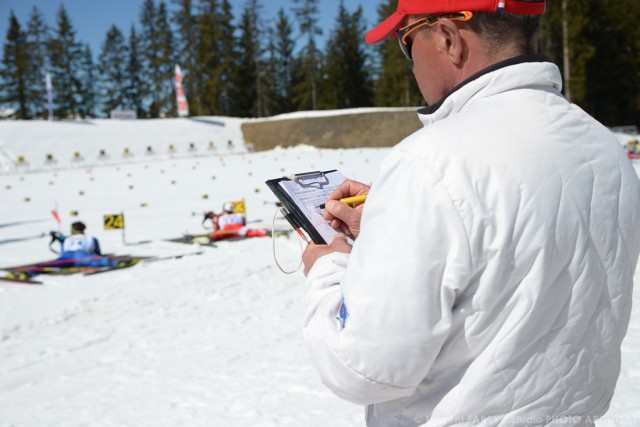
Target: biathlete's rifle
[(56, 236), (210, 216)]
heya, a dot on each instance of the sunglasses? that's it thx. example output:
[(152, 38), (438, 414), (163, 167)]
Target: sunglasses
[(403, 33)]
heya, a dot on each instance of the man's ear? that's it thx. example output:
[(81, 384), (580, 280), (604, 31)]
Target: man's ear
[(450, 40)]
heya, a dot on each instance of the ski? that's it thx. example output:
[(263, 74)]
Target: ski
[(22, 239), (19, 281), (23, 273), (177, 256), (52, 271), (56, 267), (194, 239), (124, 263), (135, 260)]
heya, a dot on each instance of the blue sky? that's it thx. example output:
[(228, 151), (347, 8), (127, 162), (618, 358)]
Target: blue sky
[(92, 18)]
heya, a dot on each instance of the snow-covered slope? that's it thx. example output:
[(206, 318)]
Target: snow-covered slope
[(42, 145), (210, 339)]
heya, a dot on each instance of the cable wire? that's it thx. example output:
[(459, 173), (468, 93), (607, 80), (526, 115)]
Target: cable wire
[(273, 242)]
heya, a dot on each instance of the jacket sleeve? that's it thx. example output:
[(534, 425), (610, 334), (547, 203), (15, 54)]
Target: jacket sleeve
[(376, 319)]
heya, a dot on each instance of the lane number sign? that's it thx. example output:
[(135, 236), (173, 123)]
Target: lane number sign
[(114, 222)]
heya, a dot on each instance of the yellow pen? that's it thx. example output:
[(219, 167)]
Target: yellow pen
[(350, 200)]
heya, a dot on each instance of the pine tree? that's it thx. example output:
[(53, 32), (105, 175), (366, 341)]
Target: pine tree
[(281, 46), (207, 76), (613, 94), (165, 60), (249, 96), (348, 83), (603, 55), (216, 59), (87, 104), (157, 58), (65, 55), (395, 84), (13, 73), (269, 72), (149, 49), (581, 49), (37, 36), (228, 54), (306, 90), (135, 87), (112, 66), (186, 47)]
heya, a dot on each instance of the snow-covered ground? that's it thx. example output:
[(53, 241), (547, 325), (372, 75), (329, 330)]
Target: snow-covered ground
[(210, 339)]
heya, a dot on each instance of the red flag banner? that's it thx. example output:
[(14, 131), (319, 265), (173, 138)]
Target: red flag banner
[(181, 99)]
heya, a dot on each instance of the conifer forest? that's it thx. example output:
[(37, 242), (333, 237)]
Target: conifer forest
[(241, 66)]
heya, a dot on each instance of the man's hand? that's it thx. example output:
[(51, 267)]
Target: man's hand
[(313, 251), (341, 215)]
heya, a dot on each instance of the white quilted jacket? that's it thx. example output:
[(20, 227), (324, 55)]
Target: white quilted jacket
[(491, 284)]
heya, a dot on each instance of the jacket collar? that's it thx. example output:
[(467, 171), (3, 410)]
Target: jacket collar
[(532, 70)]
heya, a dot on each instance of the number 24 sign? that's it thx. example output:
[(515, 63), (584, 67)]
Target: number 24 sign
[(114, 222)]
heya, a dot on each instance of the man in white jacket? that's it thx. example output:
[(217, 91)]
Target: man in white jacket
[(504, 296)]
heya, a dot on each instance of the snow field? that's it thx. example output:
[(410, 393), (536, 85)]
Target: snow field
[(210, 339)]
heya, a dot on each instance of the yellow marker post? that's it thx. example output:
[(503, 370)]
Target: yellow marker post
[(115, 222)]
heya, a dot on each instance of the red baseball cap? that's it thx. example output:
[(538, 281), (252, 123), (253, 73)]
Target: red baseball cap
[(389, 26)]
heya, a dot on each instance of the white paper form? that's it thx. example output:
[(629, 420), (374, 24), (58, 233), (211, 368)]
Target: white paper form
[(309, 192)]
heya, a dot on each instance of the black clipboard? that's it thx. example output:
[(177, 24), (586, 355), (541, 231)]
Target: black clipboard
[(293, 212)]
